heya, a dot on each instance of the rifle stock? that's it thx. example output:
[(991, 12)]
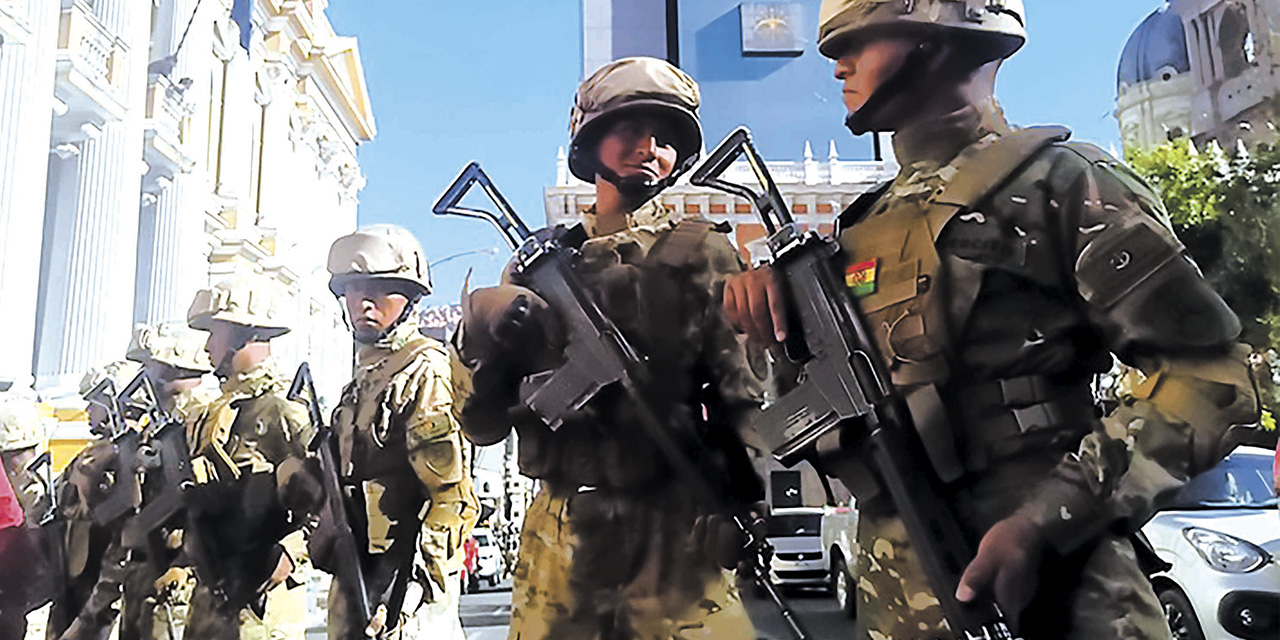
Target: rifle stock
[(845, 407)]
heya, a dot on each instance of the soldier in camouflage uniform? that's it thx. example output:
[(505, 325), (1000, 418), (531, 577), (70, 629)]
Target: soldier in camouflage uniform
[(21, 552), (615, 545), (94, 560), (247, 447), (998, 273), (156, 594), (412, 503)]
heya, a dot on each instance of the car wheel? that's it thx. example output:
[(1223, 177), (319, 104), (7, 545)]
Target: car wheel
[(473, 583), (842, 588), (1182, 619)]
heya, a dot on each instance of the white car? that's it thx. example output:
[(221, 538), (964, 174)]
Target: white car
[(1221, 533), (799, 559), (488, 557), (840, 538)]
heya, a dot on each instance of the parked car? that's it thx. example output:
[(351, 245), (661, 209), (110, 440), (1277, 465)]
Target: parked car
[(1221, 534), (799, 558), (489, 563), (840, 539)]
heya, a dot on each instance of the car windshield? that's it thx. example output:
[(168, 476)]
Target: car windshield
[(791, 525), (1242, 481)]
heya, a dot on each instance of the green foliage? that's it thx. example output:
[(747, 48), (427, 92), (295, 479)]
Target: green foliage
[(1226, 210)]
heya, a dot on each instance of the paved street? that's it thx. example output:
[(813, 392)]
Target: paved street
[(485, 615)]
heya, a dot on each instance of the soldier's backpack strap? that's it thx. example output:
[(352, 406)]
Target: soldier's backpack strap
[(680, 245), (984, 169), (861, 206)]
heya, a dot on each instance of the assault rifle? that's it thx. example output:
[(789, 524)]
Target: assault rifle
[(845, 406), (122, 489), (597, 354), (163, 462), (344, 556)]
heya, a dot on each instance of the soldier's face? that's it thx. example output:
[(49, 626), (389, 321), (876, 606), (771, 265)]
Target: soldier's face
[(639, 146), (864, 67), (373, 306), (221, 347)]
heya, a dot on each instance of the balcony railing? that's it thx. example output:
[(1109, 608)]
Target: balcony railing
[(91, 64)]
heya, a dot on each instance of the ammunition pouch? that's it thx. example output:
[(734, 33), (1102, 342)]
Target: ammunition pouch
[(1002, 418)]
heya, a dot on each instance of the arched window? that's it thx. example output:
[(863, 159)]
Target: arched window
[(1236, 41)]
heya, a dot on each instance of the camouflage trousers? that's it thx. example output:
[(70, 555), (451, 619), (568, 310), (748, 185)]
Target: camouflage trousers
[(1097, 594), (285, 617), (436, 618), (601, 567)]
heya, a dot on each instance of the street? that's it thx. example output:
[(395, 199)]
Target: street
[(485, 615)]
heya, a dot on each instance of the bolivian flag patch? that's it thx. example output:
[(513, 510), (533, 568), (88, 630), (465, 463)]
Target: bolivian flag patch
[(861, 278)]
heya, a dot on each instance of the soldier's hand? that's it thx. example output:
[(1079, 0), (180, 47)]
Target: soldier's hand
[(753, 301), (284, 567), (1007, 565), (378, 623), (173, 579), (511, 324)]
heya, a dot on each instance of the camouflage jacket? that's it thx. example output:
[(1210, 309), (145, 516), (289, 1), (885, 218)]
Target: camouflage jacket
[(401, 449), (669, 308), (1008, 306)]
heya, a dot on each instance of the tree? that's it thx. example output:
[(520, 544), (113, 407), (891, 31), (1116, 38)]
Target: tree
[(1225, 210)]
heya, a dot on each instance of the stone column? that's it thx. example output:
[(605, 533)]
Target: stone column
[(171, 263), (88, 278), (26, 101)]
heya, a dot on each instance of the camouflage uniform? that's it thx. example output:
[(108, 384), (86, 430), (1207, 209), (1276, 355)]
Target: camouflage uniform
[(402, 458), (998, 273), (605, 543), (246, 446)]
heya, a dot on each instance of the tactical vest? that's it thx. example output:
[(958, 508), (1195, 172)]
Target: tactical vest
[(373, 453), (916, 301), (657, 304)]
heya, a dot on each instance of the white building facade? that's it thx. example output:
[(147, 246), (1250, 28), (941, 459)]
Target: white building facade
[(148, 149)]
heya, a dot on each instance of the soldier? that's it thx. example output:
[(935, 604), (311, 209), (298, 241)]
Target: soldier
[(156, 594), (413, 503), (93, 571), (246, 446), (23, 505), (616, 543), (998, 272)]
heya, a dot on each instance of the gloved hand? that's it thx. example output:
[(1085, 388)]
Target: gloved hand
[(512, 325), (1006, 566)]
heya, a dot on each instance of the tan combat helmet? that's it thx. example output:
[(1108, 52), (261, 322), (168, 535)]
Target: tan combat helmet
[(379, 252), (997, 28), (20, 425), (121, 373), (252, 300), (170, 344), (633, 85)]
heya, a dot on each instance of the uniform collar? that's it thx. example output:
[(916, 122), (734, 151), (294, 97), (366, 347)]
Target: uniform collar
[(396, 339), (650, 213), (938, 141), (255, 381)]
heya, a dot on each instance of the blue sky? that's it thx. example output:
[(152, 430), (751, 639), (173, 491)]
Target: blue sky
[(492, 80)]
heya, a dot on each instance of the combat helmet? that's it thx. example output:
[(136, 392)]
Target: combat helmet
[(629, 86), (990, 29), (170, 344), (20, 425), (379, 252), (252, 301)]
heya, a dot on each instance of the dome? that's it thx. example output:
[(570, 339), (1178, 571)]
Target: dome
[(1157, 49)]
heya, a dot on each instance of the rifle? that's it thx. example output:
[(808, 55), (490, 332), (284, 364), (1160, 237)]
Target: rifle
[(122, 487), (597, 354), (845, 407), (163, 462), (345, 555)]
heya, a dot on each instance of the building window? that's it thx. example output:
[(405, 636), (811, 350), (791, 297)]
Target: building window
[(1237, 44), (772, 28)]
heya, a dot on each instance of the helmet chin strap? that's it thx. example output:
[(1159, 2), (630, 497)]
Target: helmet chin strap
[(917, 68), (639, 189)]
